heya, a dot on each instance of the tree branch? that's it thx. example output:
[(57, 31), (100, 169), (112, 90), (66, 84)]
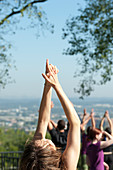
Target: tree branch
[(19, 11)]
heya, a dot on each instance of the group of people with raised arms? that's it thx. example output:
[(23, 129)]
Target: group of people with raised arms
[(42, 154), (97, 144)]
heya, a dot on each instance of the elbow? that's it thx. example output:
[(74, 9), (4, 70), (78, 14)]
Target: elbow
[(76, 123), (76, 120), (73, 118)]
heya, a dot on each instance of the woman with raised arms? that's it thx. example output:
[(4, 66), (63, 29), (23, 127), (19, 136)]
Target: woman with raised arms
[(41, 153)]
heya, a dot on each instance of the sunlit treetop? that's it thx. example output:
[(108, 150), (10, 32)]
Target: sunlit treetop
[(90, 40)]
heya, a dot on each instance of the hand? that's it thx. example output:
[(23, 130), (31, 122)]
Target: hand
[(106, 166), (51, 76), (92, 113), (85, 113), (106, 113), (48, 67)]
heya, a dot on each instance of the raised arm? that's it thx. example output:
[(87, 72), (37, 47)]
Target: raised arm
[(101, 123), (107, 143), (84, 116), (51, 124), (82, 126), (109, 121), (72, 151), (92, 118), (45, 108), (71, 154), (54, 124)]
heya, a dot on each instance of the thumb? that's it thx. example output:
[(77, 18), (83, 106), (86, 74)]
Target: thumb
[(46, 78)]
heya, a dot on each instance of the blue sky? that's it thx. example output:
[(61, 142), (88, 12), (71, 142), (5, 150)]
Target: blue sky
[(30, 54)]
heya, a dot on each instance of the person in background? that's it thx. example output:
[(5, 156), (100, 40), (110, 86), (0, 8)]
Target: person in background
[(58, 135), (95, 155), (85, 140), (108, 151), (41, 153), (67, 128)]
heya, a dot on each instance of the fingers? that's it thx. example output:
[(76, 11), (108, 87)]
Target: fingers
[(92, 110), (85, 112), (51, 73), (46, 78), (51, 68), (106, 113), (56, 70), (47, 63), (47, 66)]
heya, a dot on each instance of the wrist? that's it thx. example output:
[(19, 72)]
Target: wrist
[(47, 84), (56, 86)]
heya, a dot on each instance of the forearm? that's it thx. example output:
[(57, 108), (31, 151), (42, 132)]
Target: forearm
[(104, 144), (67, 106), (44, 111), (101, 123), (86, 121), (84, 115), (93, 122), (110, 124), (53, 123), (50, 126), (83, 119), (108, 135)]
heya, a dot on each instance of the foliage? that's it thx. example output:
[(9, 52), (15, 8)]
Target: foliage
[(11, 13), (90, 39), (13, 140), (48, 136)]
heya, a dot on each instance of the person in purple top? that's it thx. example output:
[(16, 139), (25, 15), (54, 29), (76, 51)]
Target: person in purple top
[(108, 152), (84, 136), (95, 156)]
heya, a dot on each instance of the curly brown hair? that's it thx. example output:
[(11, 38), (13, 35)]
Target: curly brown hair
[(39, 158)]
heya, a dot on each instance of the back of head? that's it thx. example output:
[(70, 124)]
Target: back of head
[(107, 129), (61, 124), (68, 125), (93, 132), (38, 158)]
